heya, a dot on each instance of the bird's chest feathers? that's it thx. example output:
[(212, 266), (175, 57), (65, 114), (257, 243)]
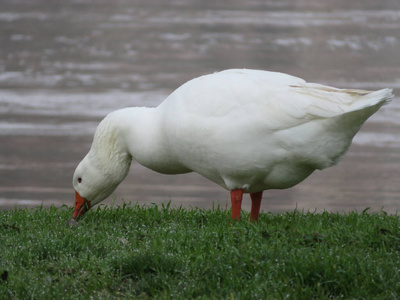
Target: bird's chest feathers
[(154, 152), (159, 159)]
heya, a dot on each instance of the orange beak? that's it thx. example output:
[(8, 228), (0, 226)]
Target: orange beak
[(81, 205)]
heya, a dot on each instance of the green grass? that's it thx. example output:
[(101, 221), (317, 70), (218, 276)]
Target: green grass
[(145, 252)]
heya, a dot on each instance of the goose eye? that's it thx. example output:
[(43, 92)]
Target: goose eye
[(79, 180)]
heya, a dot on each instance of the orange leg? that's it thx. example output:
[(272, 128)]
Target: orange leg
[(255, 205), (236, 200)]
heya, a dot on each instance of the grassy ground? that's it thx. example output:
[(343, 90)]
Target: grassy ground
[(149, 252)]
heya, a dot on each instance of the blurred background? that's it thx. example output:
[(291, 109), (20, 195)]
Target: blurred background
[(65, 64)]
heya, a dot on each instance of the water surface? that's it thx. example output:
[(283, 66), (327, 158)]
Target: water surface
[(64, 66)]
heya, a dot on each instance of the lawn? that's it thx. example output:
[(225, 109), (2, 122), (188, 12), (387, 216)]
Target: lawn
[(142, 252)]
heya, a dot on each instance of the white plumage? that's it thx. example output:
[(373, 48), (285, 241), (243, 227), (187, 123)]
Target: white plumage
[(246, 130)]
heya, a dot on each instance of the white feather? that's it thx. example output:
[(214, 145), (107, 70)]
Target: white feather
[(247, 129)]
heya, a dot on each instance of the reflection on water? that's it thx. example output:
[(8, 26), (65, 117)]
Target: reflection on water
[(63, 66)]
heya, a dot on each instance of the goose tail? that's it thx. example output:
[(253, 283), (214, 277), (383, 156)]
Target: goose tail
[(368, 98)]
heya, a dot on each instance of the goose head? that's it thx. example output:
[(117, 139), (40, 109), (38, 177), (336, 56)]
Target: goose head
[(103, 168)]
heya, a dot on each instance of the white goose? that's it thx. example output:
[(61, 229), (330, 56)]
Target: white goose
[(246, 130)]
